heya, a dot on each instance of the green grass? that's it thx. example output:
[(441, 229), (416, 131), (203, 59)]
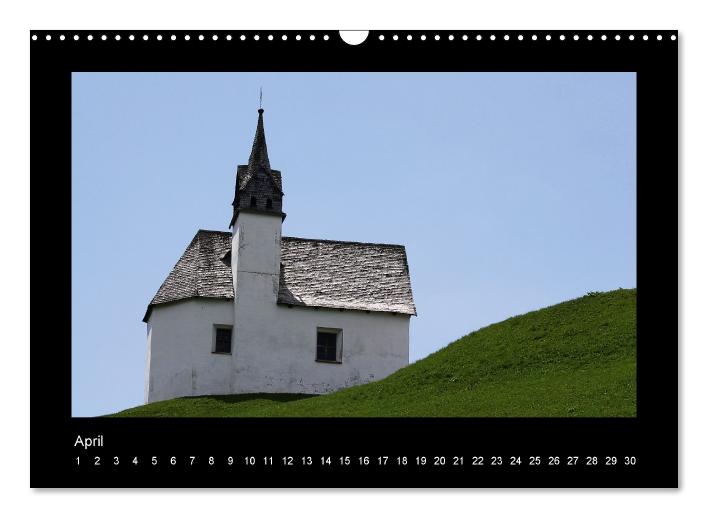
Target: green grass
[(577, 358)]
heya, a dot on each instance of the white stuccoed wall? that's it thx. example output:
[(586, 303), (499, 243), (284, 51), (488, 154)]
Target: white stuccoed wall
[(274, 346), (180, 342)]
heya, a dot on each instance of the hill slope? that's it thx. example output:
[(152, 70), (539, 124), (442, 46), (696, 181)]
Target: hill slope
[(577, 358)]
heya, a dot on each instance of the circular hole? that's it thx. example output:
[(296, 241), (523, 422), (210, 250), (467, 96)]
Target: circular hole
[(548, 37), (131, 37), (534, 37), (256, 37), (479, 37), (159, 37), (521, 37), (492, 37), (617, 37), (451, 37), (464, 37), (312, 37), (604, 37), (381, 37), (243, 37), (118, 37), (589, 37), (34, 37), (49, 37), (506, 37), (395, 37), (173, 37), (409, 37), (270, 37), (201, 37), (658, 37), (437, 37), (422, 37), (104, 37), (673, 37), (576, 37), (645, 37), (214, 37), (61, 37), (561, 37), (89, 37), (631, 37), (228, 37), (186, 37), (298, 37), (145, 37), (76, 37), (285, 37), (325, 37)]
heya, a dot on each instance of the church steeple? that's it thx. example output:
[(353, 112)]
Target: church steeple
[(258, 187)]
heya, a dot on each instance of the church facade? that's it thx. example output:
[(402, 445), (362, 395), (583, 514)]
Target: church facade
[(252, 311)]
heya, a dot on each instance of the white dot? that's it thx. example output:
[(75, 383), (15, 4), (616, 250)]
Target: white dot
[(228, 37), (422, 37), (325, 37), (437, 37), (604, 37), (645, 37), (576, 37), (49, 37), (61, 37), (243, 37), (492, 37), (131, 37), (589, 37), (409, 37), (145, 37), (673, 37), (395, 37), (506, 37), (548, 37), (34, 37), (104, 37), (658, 37), (89, 37), (561, 37), (186, 37), (285, 37), (298, 37), (451, 37), (118, 37), (201, 37), (214, 37), (464, 37), (312, 37), (381, 37), (76, 37), (270, 37), (617, 37), (534, 37), (631, 37), (479, 37), (521, 37), (173, 37), (256, 37)]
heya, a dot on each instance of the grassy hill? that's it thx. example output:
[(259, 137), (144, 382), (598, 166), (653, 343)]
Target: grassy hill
[(577, 358)]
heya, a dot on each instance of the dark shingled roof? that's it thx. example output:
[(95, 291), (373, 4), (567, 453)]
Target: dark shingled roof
[(313, 273)]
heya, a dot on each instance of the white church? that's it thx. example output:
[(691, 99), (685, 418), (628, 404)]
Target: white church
[(250, 310)]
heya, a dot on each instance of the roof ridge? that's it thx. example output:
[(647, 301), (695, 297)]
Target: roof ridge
[(391, 245)]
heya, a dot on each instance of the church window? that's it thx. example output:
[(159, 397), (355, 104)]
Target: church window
[(253, 202), (222, 339), (329, 345), (269, 203)]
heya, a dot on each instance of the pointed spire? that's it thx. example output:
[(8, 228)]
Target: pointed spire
[(259, 151)]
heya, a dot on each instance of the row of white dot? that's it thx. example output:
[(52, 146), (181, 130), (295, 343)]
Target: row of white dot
[(409, 37), (173, 37), (534, 37)]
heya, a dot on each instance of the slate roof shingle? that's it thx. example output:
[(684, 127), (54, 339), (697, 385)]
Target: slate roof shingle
[(314, 273)]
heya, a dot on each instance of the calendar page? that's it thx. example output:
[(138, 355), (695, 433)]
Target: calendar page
[(354, 259)]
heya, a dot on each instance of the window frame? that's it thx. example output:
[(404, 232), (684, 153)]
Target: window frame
[(339, 344), (215, 328)]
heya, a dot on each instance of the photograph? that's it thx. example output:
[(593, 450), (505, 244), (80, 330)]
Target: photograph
[(354, 244)]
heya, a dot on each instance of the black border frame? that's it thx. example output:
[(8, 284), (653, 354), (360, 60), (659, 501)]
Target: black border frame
[(651, 437)]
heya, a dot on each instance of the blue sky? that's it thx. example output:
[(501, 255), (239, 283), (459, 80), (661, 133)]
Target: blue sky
[(510, 191)]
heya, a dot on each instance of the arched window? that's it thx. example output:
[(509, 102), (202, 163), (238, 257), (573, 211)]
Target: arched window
[(253, 201), (269, 203)]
